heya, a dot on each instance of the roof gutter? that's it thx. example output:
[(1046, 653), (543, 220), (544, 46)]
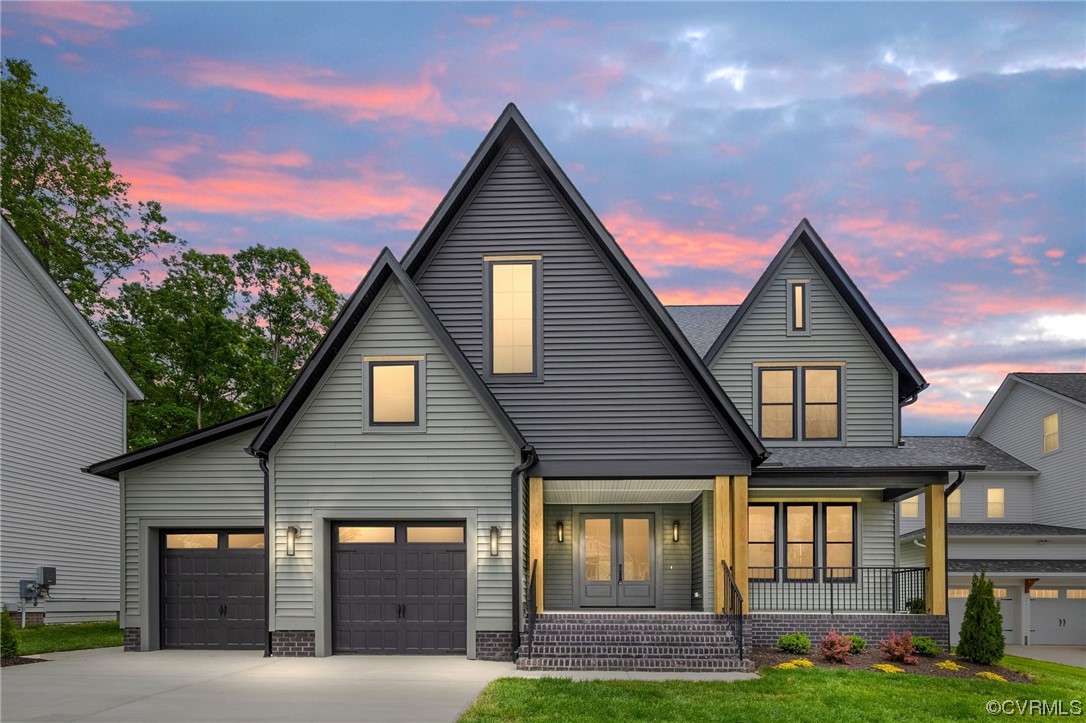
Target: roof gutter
[(530, 458), (270, 556)]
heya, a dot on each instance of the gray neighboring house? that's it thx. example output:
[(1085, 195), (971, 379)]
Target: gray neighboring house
[(63, 399), (505, 436), (1023, 518)]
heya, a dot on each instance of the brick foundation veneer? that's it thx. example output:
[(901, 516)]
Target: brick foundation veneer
[(766, 628), (494, 646), (294, 643), (131, 640), (34, 618)]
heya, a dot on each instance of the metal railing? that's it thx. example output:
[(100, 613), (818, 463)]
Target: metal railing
[(533, 606), (732, 606), (838, 589)]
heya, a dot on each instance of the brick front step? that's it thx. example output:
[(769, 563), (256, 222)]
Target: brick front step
[(672, 665), (641, 637), (632, 651)]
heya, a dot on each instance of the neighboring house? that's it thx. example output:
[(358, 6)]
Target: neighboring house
[(1023, 518), (505, 430), (62, 405)]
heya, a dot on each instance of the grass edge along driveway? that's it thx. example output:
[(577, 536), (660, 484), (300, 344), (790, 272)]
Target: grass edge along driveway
[(793, 695), (74, 636)]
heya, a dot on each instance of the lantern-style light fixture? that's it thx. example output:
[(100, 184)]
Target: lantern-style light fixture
[(675, 531), (561, 531), (292, 538), (495, 536)]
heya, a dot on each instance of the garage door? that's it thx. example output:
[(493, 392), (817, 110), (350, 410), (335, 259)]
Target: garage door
[(399, 587), (1058, 616), (1008, 607), (213, 589)]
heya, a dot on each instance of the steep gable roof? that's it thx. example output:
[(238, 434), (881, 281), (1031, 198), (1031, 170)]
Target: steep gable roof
[(1068, 386), (911, 381), (383, 269), (72, 318), (702, 323), (512, 124)]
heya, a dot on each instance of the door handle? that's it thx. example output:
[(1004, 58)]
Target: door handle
[(222, 610), (620, 572)]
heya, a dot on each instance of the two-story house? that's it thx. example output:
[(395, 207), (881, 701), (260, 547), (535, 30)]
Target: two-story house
[(63, 398), (505, 438), (1023, 518)]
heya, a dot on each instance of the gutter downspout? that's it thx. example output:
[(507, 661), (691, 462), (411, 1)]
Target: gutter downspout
[(530, 458), (263, 460)]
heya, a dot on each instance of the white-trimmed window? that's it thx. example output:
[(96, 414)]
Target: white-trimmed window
[(394, 393), (954, 503), (1052, 432), (911, 507), (1044, 593), (996, 502)]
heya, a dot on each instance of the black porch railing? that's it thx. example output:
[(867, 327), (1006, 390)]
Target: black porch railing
[(838, 589), (533, 607), (733, 606)]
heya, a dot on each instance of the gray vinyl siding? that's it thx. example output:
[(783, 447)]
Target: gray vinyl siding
[(835, 336), (710, 564), (1016, 428), (697, 555), (59, 412), (204, 487), (611, 389), (558, 558), (325, 461), (1017, 501), (675, 565)]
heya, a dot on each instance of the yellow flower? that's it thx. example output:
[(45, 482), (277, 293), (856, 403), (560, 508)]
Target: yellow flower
[(949, 665), (802, 663), (887, 668), (987, 675), (786, 666)]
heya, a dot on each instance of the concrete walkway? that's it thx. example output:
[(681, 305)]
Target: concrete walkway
[(177, 686), (1066, 654)]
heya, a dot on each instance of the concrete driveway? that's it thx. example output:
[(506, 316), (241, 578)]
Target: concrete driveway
[(182, 685), (1066, 654)]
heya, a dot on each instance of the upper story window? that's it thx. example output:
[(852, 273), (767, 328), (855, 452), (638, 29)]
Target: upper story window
[(513, 332), (799, 307), (394, 392), (1052, 432), (819, 393), (911, 507), (954, 504), (996, 507)]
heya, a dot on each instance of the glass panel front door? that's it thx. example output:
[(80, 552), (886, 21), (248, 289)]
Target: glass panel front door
[(617, 555)]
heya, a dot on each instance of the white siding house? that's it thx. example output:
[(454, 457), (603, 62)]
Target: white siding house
[(62, 407)]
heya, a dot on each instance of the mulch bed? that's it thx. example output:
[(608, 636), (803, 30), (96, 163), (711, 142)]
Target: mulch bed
[(768, 657), (5, 662)]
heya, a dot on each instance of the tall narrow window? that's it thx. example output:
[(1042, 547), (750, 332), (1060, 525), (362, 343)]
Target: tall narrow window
[(840, 540), (762, 541), (911, 507), (797, 306), (995, 502), (799, 523), (512, 317), (394, 393), (821, 403), (1052, 432), (778, 396), (954, 504)]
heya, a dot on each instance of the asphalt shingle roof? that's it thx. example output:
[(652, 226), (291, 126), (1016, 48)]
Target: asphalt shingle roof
[(1070, 385), (916, 453), (969, 449), (1001, 529), (1016, 565), (702, 324)]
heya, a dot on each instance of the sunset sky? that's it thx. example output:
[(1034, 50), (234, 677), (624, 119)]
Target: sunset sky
[(937, 148)]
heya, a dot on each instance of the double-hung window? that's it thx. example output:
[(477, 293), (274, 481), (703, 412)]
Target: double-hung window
[(762, 545), (816, 416), (1052, 432), (802, 541), (799, 532), (513, 331), (778, 409), (840, 540)]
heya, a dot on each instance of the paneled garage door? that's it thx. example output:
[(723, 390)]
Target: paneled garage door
[(399, 587), (213, 589), (1058, 616)]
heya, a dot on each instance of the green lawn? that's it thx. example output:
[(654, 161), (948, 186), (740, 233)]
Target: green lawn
[(799, 695), (78, 636)]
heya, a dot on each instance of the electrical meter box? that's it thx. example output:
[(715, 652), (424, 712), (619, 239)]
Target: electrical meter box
[(47, 576), (28, 589)]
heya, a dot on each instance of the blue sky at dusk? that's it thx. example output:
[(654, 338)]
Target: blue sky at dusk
[(937, 148)]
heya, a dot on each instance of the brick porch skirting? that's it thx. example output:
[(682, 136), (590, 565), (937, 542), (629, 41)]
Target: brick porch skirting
[(34, 618), (494, 646), (294, 643), (766, 628), (131, 640)]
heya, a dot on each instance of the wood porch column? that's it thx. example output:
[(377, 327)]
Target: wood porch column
[(935, 549), (740, 567), (722, 537), (535, 536)]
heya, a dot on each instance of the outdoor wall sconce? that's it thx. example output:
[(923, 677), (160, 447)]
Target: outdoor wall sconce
[(675, 531), (292, 537), (561, 531), (495, 535)]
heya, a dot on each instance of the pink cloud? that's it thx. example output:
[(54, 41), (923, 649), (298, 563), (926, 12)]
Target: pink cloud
[(935, 242), (73, 60), (82, 23), (286, 159), (684, 296), (1055, 253), (481, 21), (327, 90), (159, 104), (47, 40)]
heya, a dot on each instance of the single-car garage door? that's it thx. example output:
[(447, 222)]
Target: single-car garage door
[(1058, 616), (399, 587), (213, 589)]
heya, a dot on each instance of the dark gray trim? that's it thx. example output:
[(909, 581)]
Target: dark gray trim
[(112, 467), (636, 469), (776, 538), (911, 381), (537, 374), (897, 494), (512, 122), (384, 268), (785, 541), (369, 396), (855, 542), (848, 479), (795, 403), (805, 328), (801, 415)]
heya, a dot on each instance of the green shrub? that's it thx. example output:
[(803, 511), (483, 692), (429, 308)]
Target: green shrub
[(917, 607), (858, 644), (795, 643), (926, 646), (981, 637), (9, 646)]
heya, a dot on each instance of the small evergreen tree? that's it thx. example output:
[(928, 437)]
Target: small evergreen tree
[(981, 637), (9, 647)]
